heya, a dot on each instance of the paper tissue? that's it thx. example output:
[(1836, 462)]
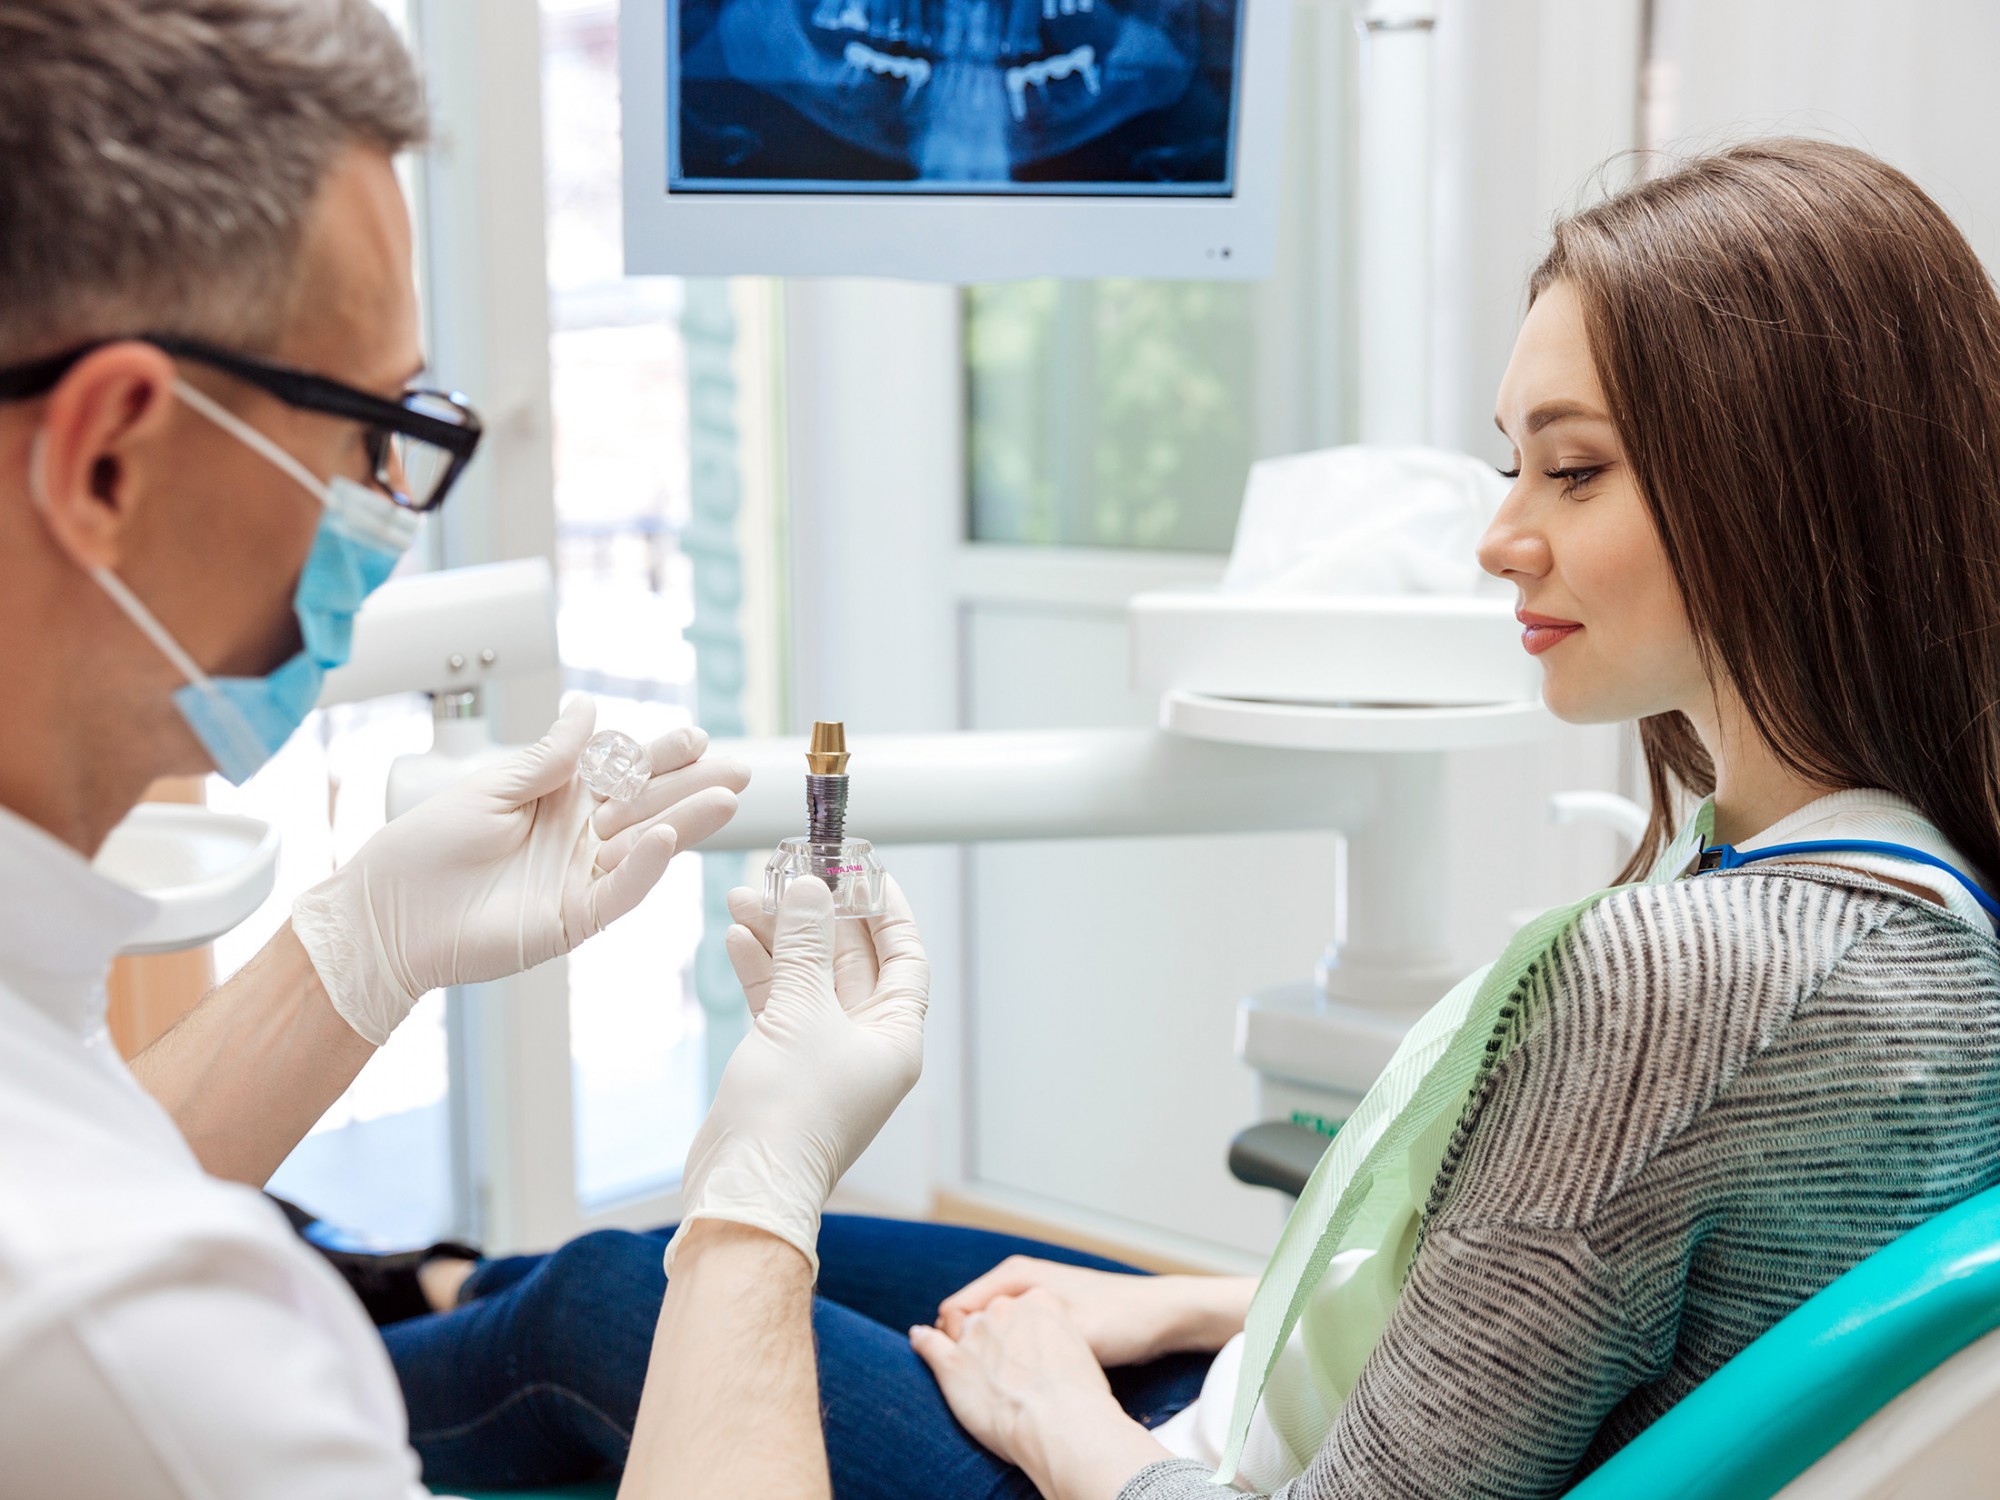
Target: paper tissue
[(1354, 580), (1367, 521)]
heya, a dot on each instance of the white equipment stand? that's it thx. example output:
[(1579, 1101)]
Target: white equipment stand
[(1317, 1044), (204, 871)]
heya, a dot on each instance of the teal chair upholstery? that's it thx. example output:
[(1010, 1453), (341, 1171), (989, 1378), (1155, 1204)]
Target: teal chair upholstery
[(1791, 1397), (594, 1489), (1781, 1405)]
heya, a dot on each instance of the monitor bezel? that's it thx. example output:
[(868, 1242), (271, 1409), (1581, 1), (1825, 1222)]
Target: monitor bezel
[(953, 237)]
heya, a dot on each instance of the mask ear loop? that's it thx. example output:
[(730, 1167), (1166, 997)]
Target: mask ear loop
[(243, 432), (149, 625), (112, 584), (372, 517)]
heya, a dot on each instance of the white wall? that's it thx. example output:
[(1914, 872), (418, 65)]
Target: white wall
[(1533, 98), (1104, 974), (1914, 82), (1536, 95)]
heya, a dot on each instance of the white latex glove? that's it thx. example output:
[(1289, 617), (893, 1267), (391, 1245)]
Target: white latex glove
[(835, 1042), (508, 868)]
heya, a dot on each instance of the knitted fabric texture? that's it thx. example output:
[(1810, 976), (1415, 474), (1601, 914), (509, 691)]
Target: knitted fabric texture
[(1726, 1092)]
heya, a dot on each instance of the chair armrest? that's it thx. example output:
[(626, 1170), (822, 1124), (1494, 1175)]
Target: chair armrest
[(1277, 1154)]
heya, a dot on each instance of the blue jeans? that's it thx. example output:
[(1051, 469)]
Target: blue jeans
[(534, 1377)]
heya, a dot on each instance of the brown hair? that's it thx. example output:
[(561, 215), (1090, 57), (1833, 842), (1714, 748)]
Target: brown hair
[(1801, 355), (158, 157)]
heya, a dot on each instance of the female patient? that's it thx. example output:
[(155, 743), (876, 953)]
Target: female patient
[(1755, 418)]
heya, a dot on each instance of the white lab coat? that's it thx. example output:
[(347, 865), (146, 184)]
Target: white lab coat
[(162, 1333)]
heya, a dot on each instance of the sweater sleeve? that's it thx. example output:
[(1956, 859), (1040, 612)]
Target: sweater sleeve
[(1507, 1350), (1176, 1479)]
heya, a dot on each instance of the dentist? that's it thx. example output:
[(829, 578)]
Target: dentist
[(210, 454)]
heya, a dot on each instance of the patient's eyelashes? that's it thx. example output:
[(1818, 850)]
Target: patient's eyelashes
[(1575, 478)]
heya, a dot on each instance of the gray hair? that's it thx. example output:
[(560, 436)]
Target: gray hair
[(158, 157)]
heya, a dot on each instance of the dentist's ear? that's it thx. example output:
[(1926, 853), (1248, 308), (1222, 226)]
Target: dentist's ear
[(84, 455)]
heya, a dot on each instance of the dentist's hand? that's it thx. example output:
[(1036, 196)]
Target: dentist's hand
[(835, 1042), (512, 866)]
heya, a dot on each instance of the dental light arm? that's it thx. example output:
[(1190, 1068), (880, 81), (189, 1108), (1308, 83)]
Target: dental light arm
[(1058, 784), (450, 632)]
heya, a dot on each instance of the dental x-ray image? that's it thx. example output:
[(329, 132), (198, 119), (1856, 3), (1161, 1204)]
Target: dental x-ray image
[(961, 96)]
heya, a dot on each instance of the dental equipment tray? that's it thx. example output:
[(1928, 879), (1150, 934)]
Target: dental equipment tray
[(1400, 651)]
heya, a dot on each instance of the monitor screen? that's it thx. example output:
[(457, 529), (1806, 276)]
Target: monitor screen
[(1002, 97), (953, 140)]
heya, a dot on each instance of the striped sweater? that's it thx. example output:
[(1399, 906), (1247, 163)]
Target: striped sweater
[(1726, 1091)]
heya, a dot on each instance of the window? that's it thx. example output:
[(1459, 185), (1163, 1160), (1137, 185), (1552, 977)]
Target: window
[(619, 395), (379, 1161), (1109, 413)]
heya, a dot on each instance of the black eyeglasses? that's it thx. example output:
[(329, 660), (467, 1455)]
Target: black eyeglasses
[(417, 446)]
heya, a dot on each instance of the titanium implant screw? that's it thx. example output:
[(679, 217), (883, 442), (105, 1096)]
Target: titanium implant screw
[(826, 809), (845, 866), (826, 798)]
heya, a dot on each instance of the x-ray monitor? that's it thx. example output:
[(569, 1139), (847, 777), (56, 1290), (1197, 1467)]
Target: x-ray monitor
[(955, 140)]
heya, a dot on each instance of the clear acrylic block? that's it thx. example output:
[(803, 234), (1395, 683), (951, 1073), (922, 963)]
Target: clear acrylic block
[(849, 868), (615, 766)]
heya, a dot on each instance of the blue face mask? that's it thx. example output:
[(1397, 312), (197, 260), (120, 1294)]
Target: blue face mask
[(242, 721)]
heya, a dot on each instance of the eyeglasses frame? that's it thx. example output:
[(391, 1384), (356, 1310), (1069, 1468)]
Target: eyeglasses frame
[(299, 389)]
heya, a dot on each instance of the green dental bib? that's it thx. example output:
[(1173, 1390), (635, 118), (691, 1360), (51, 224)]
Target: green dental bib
[(1363, 1205)]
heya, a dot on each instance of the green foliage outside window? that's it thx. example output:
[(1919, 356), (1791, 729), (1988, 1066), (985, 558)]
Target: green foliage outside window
[(1109, 413)]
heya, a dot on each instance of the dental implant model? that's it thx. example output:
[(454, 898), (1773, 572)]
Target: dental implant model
[(848, 866), (615, 766)]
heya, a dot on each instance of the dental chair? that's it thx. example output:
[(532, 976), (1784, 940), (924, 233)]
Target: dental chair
[(1884, 1386)]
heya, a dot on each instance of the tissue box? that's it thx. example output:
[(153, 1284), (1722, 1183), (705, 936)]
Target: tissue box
[(1422, 649)]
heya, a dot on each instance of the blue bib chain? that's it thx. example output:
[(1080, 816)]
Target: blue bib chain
[(1728, 857)]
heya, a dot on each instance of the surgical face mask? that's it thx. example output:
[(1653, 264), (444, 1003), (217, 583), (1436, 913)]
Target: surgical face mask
[(242, 721)]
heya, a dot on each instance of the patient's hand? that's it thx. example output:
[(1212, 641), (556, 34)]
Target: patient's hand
[(1020, 1378), (1124, 1319)]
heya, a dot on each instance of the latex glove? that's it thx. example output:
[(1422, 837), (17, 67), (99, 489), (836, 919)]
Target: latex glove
[(508, 868), (835, 1042)]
